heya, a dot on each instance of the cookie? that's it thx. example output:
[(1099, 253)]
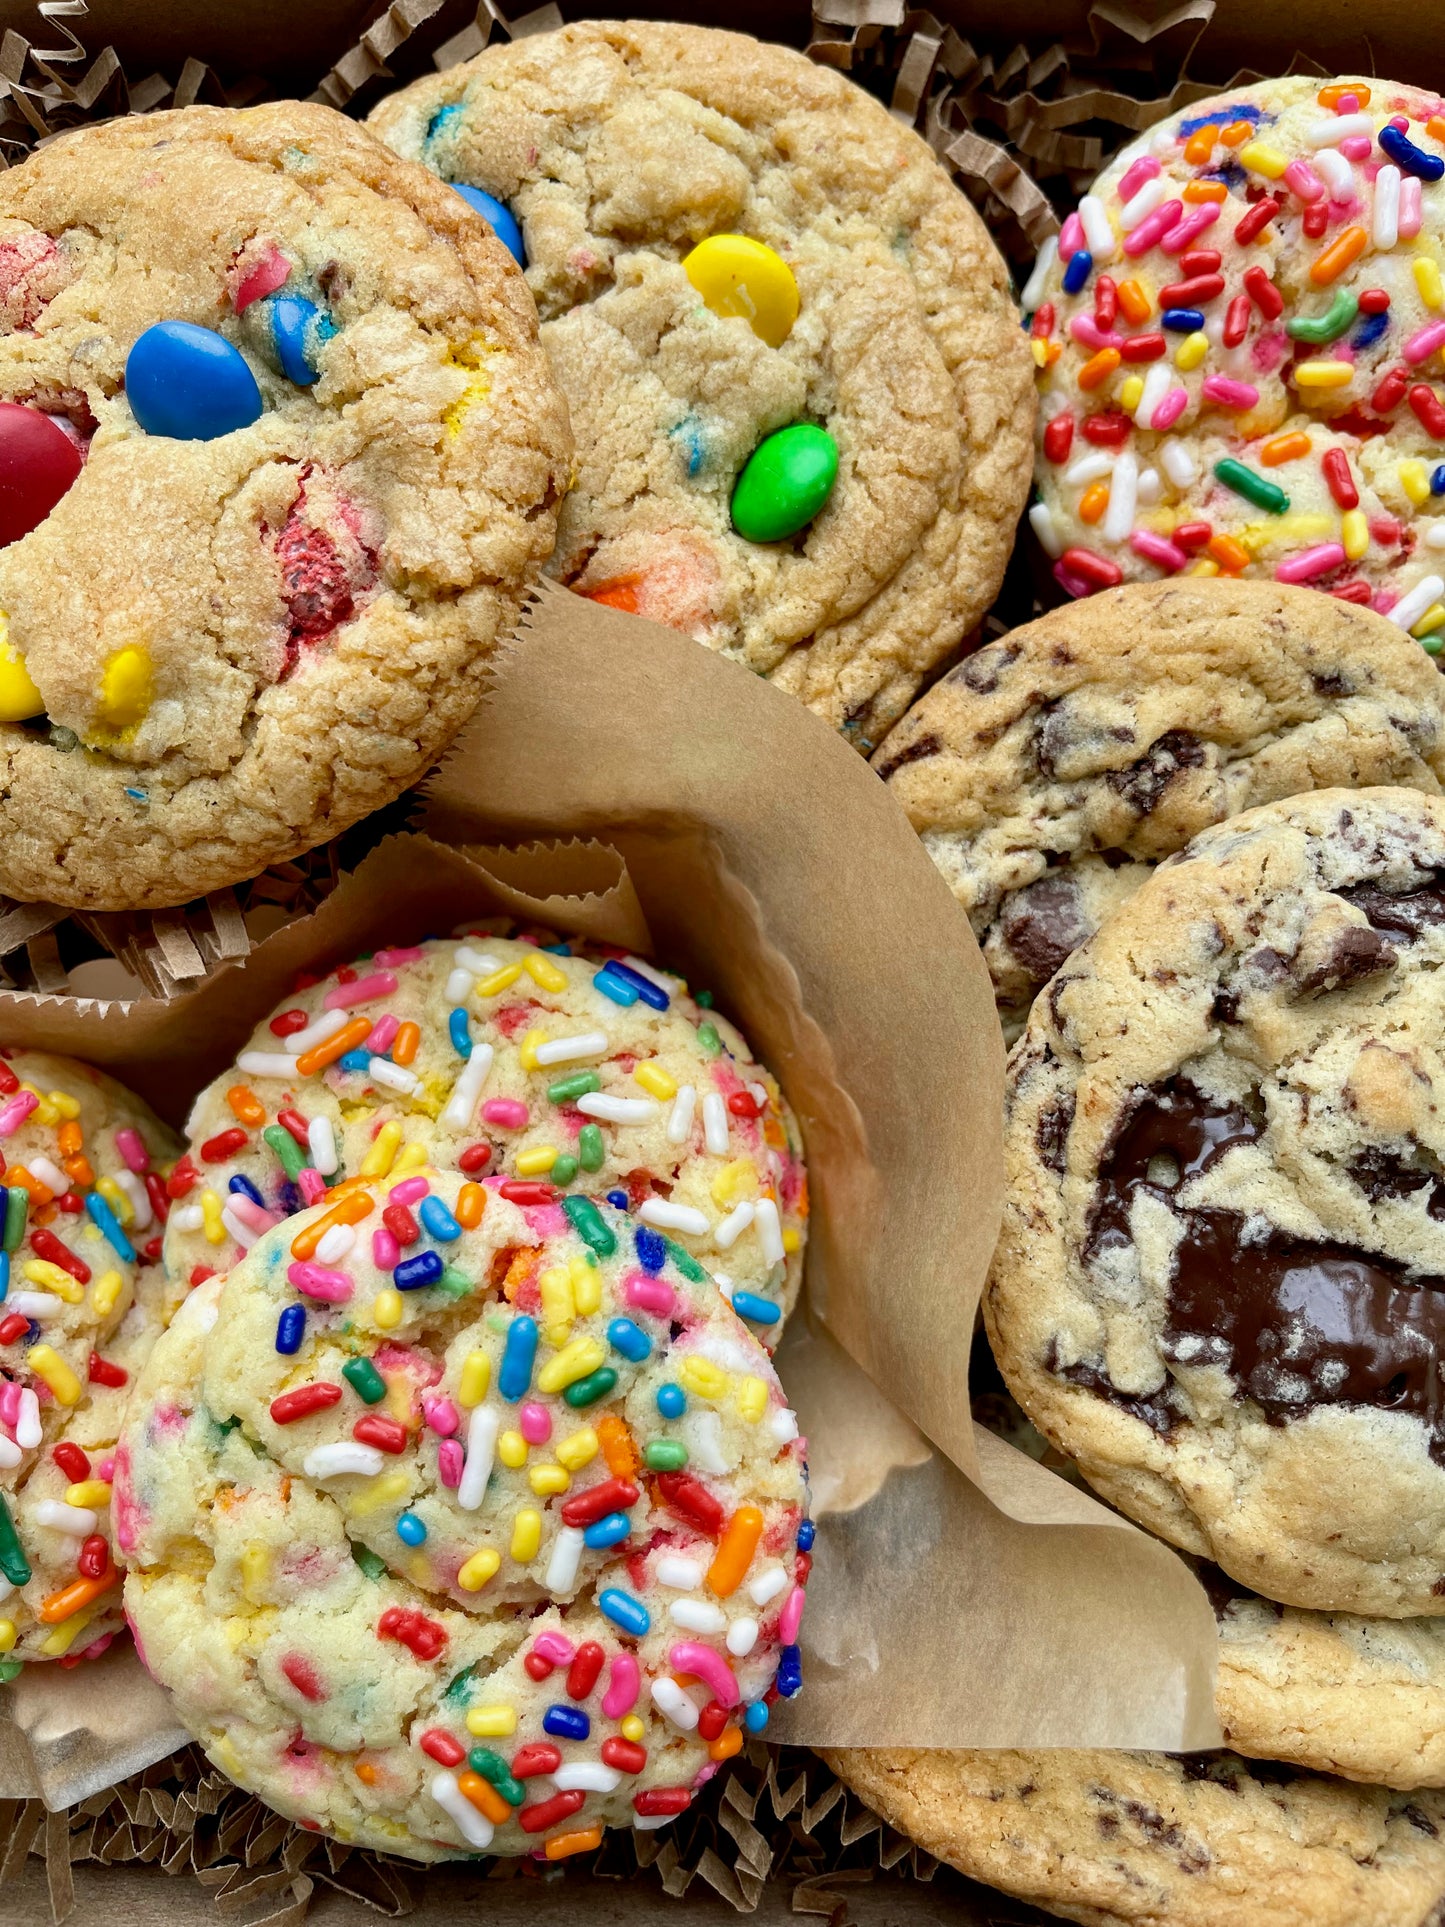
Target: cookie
[(286, 474), (801, 398), (485, 1546), (1217, 1280), (546, 1071), (1049, 773), (1135, 1839), (82, 1299), (1236, 335)]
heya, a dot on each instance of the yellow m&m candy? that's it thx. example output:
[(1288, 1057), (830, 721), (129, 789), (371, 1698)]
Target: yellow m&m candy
[(738, 276), (19, 697), (125, 688)]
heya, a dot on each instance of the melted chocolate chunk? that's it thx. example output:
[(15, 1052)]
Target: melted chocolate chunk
[(917, 750), (1176, 1121), (1381, 1174), (983, 671), (1042, 924), (1143, 783), (1051, 1134), (1355, 954), (1161, 1411), (1406, 915), (1336, 683), (1221, 1591)]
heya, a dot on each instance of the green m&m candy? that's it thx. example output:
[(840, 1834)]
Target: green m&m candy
[(785, 482)]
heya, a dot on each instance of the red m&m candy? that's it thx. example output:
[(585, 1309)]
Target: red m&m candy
[(38, 463)]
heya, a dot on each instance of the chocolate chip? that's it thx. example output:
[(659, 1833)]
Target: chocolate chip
[(983, 671), (1142, 784), (1177, 1121), (1051, 1134), (1405, 914), (1161, 1411), (922, 746), (1355, 955), (1334, 684), (1421, 1822), (1043, 923)]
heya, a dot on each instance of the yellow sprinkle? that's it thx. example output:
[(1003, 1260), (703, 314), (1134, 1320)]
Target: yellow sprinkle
[(52, 1278), (237, 1629), (386, 1309), (548, 1479), (512, 1449), (44, 1112), (412, 1155), (474, 1573), (736, 1180), (1131, 393), (559, 1306), (1260, 159), (527, 1054), (384, 1489), (1431, 620), (1427, 280), (7, 1635), (105, 1292), (577, 1450), (19, 698), (125, 688), (1204, 566), (398, 1398), (1415, 480), (382, 1155), (1354, 533), (574, 1361), (586, 1285), (418, 1568), (255, 1571), (791, 1240), (491, 1722), (48, 1365), (543, 971), (1040, 352), (119, 1203), (1324, 374), (1192, 350), (1306, 528), (654, 1079), (211, 1218), (93, 1493), (526, 1535), (64, 1636), (226, 1757), (700, 1375), (632, 1728), (67, 1105), (475, 1378), (499, 980), (540, 1158), (752, 1399)]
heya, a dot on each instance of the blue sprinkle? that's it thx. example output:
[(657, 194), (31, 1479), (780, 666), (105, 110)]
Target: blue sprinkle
[(1081, 266), (760, 1311), (410, 1530), (424, 1269), (442, 119), (136, 796), (439, 1221), (807, 1533), (790, 1673), (357, 1060), (1183, 321), (557, 949), (1221, 117), (1370, 330), (651, 1248), (625, 1611), (296, 326), (290, 1330), (521, 1349), (498, 217), (651, 994), (756, 1717), (291, 1198), (618, 1200), (688, 435), (4, 1275), (629, 1339), (613, 987), (566, 1723), (109, 1226), (1408, 157), (246, 1188), (460, 1030), (671, 1400), (1437, 480), (610, 1531)]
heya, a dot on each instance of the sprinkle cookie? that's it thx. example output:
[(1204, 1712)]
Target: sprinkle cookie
[(1239, 338), (318, 437), (82, 1299), (1049, 773), (555, 1075), (488, 1545), (794, 369)]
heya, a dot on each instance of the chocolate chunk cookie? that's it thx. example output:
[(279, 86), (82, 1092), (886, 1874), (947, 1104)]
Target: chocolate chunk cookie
[(1050, 772)]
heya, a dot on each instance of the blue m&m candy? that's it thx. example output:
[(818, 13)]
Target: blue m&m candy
[(189, 383), (297, 326), (499, 218)]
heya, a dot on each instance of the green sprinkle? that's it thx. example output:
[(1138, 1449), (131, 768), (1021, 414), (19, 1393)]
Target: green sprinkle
[(13, 1563), (1328, 326), (453, 1282), (512, 1791), (665, 1455), (707, 1036), (490, 1765), (685, 1262), (498, 1322), (460, 1688), (577, 1085), (587, 1391), (590, 1147), (293, 1160), (703, 999), (10, 1669), (1434, 642), (563, 1171), (364, 1379), (588, 1223), (1254, 488), (17, 1203), (371, 1563)]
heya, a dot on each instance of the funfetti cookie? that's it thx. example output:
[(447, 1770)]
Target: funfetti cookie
[(1050, 772), (1238, 336), (554, 1074), (1218, 1283), (452, 1530), (82, 1299), (281, 476), (794, 369)]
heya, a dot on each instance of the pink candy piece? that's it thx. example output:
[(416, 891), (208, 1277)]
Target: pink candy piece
[(1146, 168), (1309, 563), (624, 1683), (9, 1402), (383, 1034), (1229, 393), (317, 1281), (1087, 331), (1348, 104), (1170, 409), (409, 953), (16, 1112), (441, 1415), (1071, 584), (249, 1212), (1424, 342), (535, 1422), (1139, 240), (1159, 550), (1071, 238), (385, 1251), (691, 1656), (128, 1142), (791, 1617), (1356, 147), (409, 1191), (365, 990), (1410, 211), (105, 1467), (1178, 238), (509, 1113), (1304, 181), (647, 1293), (311, 1184), (270, 273), (450, 1460), (554, 1647)]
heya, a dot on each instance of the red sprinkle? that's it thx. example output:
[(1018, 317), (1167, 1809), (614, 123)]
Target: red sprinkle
[(1428, 410), (691, 1501), (297, 1125), (103, 1372), (1192, 293), (711, 1720), (626, 1755), (401, 1224), (546, 1813), (71, 1203), (1200, 261), (288, 1022), (302, 1675), (1236, 321), (802, 1567), (1374, 301), (663, 1799), (1356, 591), (8, 1080), (582, 1674), (529, 1191), (93, 1557), (744, 1104), (1109, 429), (151, 1250), (1041, 327), (46, 1245), (1391, 391), (1264, 294), (1336, 465), (72, 1461), (412, 1628), (442, 1746), (586, 1508), (1143, 347), (199, 1275), (13, 1327), (155, 1186), (387, 1434), (305, 1400), (1192, 535), (1097, 570), (1315, 219), (223, 1145), (538, 1666), (1106, 301), (529, 1761), (185, 1177), (1257, 220), (1385, 530), (476, 1157), (1059, 437)]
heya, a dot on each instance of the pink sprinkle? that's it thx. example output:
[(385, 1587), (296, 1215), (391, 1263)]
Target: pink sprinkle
[(128, 1142), (450, 1460), (105, 1467), (1071, 238), (1348, 104), (311, 1184), (385, 1251), (535, 1422), (16, 1112), (1409, 207), (1086, 330), (365, 990), (509, 1113), (409, 1191), (791, 1617), (1146, 168), (250, 1213), (270, 273), (1170, 409), (624, 1683), (1157, 549), (441, 1415), (10, 1402), (317, 1281), (383, 1034), (1177, 239), (554, 1646), (1424, 342), (389, 959), (1309, 563), (1300, 176), (1139, 240), (1228, 393), (640, 1288), (546, 1220), (1072, 584), (1356, 147), (691, 1656)]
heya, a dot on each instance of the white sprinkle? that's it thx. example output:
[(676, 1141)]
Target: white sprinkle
[(1150, 487), (670, 1700), (1339, 127), (331, 1461), (783, 1424), (1033, 288), (758, 1093), (321, 1140), (652, 974), (1176, 461), (736, 1221), (462, 1104), (766, 1587), (481, 1449), (1433, 535), (27, 1426), (698, 1615), (742, 1637), (770, 1235), (481, 963), (679, 1122), (78, 1520), (395, 1077), (1336, 172), (724, 1284), (459, 986), (650, 1822), (34, 1304), (1151, 195), (49, 1175), (715, 1124), (335, 1244), (561, 1574), (140, 1203), (189, 1217), (673, 1217), (570, 1050), (1387, 208), (10, 1455), (678, 1574), (586, 1776), (1409, 609), (326, 1025), (1041, 521), (1092, 467), (266, 1063), (475, 1828), (616, 1110), (1098, 234), (1123, 499), (1157, 383), (244, 1234), (702, 1433)]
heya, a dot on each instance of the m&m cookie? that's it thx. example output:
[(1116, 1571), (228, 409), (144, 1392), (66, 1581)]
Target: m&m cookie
[(272, 483), (1239, 338), (485, 1537), (793, 367)]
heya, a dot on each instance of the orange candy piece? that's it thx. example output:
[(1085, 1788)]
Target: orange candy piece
[(735, 1550), (330, 1048)]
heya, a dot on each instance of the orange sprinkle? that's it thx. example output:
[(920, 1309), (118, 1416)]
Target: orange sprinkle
[(40, 1194), (1228, 553), (246, 1105), (471, 1203), (69, 1138), (621, 594), (350, 1209), (618, 1447), (1052, 351), (1332, 95), (728, 1742), (403, 1048), (1238, 132), (1099, 367), (484, 1797), (1205, 190), (1347, 246), (1285, 448), (78, 1170), (70, 1599), (366, 1773), (735, 1550), (330, 1048), (1435, 128), (562, 1845), (1200, 144), (1093, 502), (520, 1269), (1134, 301)]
